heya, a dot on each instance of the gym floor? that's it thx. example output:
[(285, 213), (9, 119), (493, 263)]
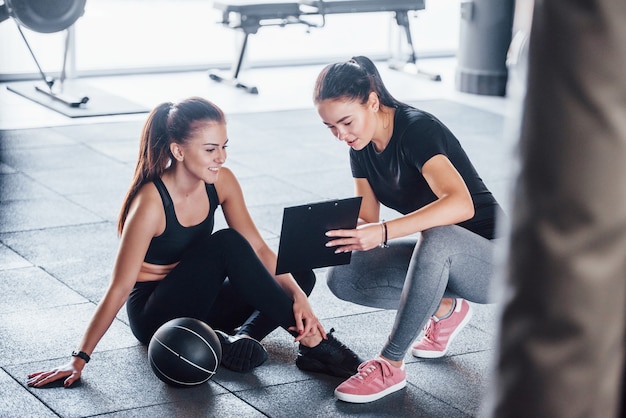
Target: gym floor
[(57, 241)]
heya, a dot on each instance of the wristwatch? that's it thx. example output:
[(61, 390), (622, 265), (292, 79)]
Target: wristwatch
[(81, 354)]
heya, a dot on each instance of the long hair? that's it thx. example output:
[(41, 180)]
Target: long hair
[(352, 80), (168, 122)]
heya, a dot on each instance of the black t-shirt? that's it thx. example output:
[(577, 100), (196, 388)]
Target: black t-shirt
[(395, 174)]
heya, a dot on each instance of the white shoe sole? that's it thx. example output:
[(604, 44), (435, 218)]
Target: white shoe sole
[(438, 354), (346, 397)]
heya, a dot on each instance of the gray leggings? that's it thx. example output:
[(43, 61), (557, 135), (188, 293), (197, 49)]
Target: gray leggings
[(413, 275)]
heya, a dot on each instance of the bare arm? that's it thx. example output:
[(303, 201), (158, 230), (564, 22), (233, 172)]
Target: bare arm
[(453, 205), (139, 229), (370, 206)]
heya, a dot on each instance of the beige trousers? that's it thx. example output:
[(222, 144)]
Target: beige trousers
[(562, 334)]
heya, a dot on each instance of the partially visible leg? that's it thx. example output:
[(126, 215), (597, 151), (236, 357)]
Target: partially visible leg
[(373, 278), (227, 313), (448, 257), (229, 310), (445, 256), (241, 351), (258, 326), (266, 295), (193, 286), (251, 280)]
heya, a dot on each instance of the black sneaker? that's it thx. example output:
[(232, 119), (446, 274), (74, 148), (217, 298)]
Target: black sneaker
[(329, 357), (241, 354)]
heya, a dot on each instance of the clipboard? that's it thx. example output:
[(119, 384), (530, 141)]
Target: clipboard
[(303, 234)]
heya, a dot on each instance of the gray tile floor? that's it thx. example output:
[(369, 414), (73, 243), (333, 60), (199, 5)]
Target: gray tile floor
[(62, 183)]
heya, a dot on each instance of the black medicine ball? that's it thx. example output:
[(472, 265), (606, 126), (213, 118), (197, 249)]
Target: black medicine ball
[(184, 352)]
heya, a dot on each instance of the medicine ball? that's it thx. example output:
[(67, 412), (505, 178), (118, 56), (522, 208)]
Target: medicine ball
[(184, 352)]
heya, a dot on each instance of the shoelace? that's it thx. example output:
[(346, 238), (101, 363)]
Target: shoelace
[(367, 369), (430, 331)]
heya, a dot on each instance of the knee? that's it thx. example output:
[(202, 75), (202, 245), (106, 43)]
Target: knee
[(338, 283), (437, 242), (228, 234), (231, 240), (434, 234)]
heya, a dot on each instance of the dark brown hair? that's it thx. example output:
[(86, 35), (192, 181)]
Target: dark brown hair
[(168, 122), (352, 80)]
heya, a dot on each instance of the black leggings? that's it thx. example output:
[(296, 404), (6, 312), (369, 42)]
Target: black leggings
[(220, 281)]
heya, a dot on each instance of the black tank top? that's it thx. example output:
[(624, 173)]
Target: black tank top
[(170, 246)]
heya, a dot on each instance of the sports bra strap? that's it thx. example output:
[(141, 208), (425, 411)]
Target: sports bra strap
[(165, 195)]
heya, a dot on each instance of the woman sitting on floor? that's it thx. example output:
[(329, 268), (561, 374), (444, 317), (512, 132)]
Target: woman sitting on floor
[(171, 264)]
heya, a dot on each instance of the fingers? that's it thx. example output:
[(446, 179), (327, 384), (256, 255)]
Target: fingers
[(40, 379), (299, 336), (346, 246), (43, 378), (340, 233), (307, 324), (314, 327), (311, 326), (299, 326), (363, 238), (347, 241), (346, 249), (70, 380), (322, 331)]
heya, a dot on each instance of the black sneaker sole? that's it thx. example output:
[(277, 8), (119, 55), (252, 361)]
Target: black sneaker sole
[(242, 354)]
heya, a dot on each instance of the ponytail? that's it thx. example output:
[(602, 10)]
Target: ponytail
[(153, 156)]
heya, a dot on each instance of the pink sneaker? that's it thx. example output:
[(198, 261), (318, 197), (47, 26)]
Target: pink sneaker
[(375, 379), (439, 333)]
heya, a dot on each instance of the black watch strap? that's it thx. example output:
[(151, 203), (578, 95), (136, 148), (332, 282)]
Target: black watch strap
[(81, 354)]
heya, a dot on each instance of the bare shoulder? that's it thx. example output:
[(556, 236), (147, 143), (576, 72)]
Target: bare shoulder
[(147, 195), (226, 176), (227, 184), (147, 206)]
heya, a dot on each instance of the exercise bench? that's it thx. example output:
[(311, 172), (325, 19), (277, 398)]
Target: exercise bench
[(249, 16)]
